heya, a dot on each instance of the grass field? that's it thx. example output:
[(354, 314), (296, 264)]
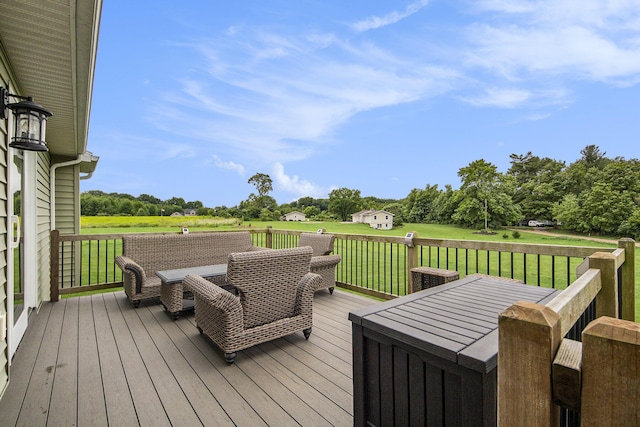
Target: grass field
[(117, 225), (114, 225)]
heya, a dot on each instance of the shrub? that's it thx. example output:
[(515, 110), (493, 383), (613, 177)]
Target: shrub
[(505, 236), (516, 234)]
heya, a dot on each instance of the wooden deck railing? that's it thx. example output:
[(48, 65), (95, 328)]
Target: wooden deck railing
[(541, 370), (375, 265)]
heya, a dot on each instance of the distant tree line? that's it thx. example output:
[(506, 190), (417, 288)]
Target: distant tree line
[(594, 194), (99, 203)]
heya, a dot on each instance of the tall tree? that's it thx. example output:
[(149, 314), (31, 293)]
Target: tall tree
[(177, 201), (262, 182), (592, 157), (538, 186), (445, 205), (419, 204), (479, 181), (343, 202)]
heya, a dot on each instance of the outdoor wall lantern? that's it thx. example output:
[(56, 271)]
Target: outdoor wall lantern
[(29, 121)]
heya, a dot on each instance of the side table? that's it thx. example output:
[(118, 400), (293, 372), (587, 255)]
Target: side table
[(172, 292)]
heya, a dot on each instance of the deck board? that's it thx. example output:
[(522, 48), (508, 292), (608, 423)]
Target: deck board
[(91, 403), (12, 403), (96, 360), (64, 412), (36, 402), (140, 386), (119, 405)]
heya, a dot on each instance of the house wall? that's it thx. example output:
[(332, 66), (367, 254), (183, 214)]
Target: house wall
[(43, 229), (380, 220), (67, 204), (357, 217), (4, 225), (67, 201), (295, 217)]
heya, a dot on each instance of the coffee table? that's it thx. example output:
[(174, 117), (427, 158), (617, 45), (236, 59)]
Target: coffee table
[(172, 292)]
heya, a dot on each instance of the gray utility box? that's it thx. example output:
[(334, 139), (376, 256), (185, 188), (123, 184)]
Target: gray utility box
[(430, 358)]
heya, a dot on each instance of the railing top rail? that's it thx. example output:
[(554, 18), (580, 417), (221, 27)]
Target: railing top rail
[(77, 237), (574, 300), (620, 255), (528, 248)]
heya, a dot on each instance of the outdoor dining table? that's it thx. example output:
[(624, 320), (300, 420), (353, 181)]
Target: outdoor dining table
[(174, 297), (430, 358)]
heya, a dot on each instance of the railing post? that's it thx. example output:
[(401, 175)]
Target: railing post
[(628, 272), (610, 375), (412, 259), (54, 266), (268, 241), (607, 299), (529, 337)]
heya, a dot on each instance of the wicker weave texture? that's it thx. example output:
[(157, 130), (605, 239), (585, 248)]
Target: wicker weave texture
[(322, 262), (172, 295), (322, 244), (147, 254), (427, 277), (275, 298)]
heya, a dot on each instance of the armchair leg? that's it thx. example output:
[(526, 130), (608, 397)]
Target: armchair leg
[(331, 290), (135, 304), (306, 333), (230, 357)]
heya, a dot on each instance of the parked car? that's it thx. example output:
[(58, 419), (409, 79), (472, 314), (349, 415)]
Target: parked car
[(534, 223)]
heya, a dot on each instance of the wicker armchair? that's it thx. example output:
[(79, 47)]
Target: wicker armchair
[(275, 296), (322, 262)]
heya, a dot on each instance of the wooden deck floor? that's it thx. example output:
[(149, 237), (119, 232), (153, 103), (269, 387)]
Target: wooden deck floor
[(97, 361)]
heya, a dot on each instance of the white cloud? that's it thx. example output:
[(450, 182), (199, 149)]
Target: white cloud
[(513, 6), (148, 148), (283, 107), (264, 96), (506, 98), (295, 186), (534, 117), (576, 39), (513, 98), (517, 52), (375, 22), (231, 166)]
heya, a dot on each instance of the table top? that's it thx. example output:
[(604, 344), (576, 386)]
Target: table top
[(176, 276), (457, 321)]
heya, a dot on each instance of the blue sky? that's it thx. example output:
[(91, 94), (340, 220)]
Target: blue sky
[(192, 98)]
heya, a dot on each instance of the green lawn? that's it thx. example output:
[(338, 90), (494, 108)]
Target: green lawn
[(116, 225)]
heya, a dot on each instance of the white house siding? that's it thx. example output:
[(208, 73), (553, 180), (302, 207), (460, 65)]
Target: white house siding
[(4, 225), (295, 216), (381, 220), (359, 216)]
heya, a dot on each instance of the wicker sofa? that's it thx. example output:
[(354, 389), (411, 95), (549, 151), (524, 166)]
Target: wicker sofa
[(322, 262), (143, 255), (275, 297)]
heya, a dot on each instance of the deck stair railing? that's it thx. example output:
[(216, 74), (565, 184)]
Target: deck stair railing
[(595, 374), (375, 265)]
